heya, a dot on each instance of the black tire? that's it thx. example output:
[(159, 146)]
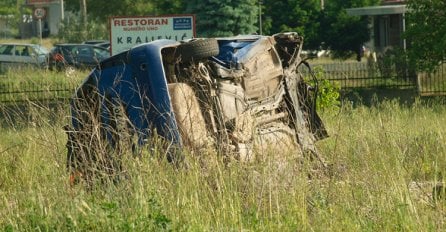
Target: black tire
[(196, 50)]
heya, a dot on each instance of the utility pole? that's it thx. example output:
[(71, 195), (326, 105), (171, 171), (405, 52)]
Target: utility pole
[(83, 6), (260, 17), (62, 10)]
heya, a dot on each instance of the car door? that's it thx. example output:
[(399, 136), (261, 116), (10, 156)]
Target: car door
[(69, 52), (25, 55), (86, 57)]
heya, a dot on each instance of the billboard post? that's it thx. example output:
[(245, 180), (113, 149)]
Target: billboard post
[(126, 32)]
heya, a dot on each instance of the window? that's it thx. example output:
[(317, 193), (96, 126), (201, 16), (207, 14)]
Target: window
[(85, 51), (101, 52), (40, 50), (6, 49), (22, 50)]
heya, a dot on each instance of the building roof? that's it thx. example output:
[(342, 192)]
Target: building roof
[(378, 10)]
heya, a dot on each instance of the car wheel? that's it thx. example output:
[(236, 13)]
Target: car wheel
[(199, 49)]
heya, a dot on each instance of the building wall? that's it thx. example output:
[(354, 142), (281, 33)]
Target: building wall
[(54, 17), (52, 20), (387, 31), (387, 24)]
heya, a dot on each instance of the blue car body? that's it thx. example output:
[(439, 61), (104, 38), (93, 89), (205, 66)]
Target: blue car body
[(140, 85)]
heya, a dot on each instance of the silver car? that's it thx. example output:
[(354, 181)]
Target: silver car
[(13, 55)]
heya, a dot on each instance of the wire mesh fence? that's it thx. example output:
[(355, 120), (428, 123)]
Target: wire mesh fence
[(43, 91)]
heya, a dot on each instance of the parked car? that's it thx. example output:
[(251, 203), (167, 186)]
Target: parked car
[(235, 95), (100, 43), (20, 55), (77, 56)]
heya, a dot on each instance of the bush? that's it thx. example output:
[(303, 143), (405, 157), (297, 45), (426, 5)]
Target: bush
[(73, 31), (328, 92), (394, 62)]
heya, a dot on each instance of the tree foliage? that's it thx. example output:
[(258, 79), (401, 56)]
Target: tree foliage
[(224, 17), (302, 16), (330, 27), (342, 33), (168, 7), (102, 10), (73, 30), (426, 32), (10, 7)]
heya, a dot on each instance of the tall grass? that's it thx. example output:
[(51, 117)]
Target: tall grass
[(27, 83), (32, 75), (382, 159)]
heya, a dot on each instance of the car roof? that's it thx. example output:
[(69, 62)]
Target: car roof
[(73, 44), (78, 44), (95, 41)]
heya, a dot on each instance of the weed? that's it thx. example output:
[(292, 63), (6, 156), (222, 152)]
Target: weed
[(376, 154)]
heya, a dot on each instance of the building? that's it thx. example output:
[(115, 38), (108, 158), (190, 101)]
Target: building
[(46, 18), (387, 24)]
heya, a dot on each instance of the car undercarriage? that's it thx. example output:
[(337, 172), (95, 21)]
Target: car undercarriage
[(236, 95)]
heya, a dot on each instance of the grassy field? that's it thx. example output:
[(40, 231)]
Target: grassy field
[(37, 76), (22, 84), (383, 163)]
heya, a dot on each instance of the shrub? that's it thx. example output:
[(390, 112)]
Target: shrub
[(72, 30), (328, 92)]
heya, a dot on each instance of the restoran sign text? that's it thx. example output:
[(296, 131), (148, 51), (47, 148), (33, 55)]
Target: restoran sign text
[(126, 32)]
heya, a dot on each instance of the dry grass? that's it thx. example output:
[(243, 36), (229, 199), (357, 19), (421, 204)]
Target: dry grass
[(375, 155)]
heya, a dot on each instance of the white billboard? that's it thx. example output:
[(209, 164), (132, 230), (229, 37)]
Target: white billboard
[(126, 32)]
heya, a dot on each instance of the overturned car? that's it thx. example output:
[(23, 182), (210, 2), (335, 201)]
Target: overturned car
[(235, 95)]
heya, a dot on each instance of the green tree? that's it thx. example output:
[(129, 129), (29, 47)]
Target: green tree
[(301, 16), (9, 7), (426, 33), (224, 17), (329, 27), (167, 7), (99, 12), (342, 33), (13, 8), (102, 10)]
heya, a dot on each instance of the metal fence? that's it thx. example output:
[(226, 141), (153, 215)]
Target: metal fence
[(363, 75), (348, 75), (433, 83), (20, 92)]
